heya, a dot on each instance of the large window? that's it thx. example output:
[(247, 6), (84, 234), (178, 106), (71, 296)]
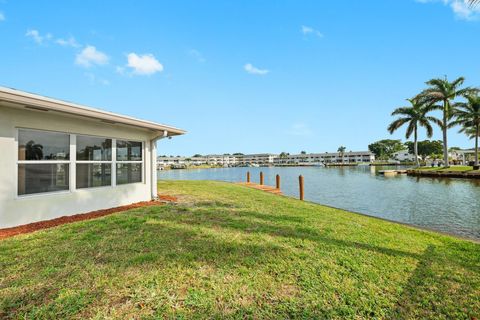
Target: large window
[(129, 162), (46, 165), (43, 161), (94, 162)]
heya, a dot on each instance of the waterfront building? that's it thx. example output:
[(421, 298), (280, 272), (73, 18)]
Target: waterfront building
[(61, 158), (326, 158), (262, 159)]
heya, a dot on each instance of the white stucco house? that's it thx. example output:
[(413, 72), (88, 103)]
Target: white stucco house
[(60, 158), (404, 155)]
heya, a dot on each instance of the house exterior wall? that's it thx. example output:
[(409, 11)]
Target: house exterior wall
[(17, 210), (403, 155)]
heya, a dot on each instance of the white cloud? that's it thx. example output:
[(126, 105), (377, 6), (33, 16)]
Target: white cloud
[(311, 31), (90, 56), (2, 16), (70, 42), (197, 55), (145, 64), (254, 70), (460, 8), (299, 129), (35, 35)]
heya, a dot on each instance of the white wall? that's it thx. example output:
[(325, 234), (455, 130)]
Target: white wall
[(17, 210)]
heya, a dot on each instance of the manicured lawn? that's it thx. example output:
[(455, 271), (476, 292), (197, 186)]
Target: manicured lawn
[(226, 251)]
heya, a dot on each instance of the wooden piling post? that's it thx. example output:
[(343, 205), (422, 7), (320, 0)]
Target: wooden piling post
[(248, 176), (300, 184), (278, 181), (261, 178)]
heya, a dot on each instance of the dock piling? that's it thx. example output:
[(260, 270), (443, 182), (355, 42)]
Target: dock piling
[(277, 178), (300, 184), (248, 176), (261, 178)]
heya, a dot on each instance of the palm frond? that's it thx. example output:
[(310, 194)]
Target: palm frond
[(395, 125), (410, 129)]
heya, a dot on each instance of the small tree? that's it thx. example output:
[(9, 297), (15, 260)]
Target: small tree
[(341, 151)]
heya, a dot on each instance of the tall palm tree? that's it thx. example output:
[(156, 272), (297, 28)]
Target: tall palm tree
[(468, 116), (341, 150), (414, 115), (444, 92)]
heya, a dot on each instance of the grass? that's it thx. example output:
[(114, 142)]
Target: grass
[(226, 251), (449, 169)]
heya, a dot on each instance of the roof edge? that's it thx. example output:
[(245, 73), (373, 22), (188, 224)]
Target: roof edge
[(35, 100)]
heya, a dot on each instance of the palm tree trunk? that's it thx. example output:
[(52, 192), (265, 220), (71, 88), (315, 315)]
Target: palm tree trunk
[(415, 147), (444, 128), (476, 145)]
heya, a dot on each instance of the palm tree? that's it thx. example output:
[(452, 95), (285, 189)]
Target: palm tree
[(414, 115), (473, 3), (34, 151), (444, 92), (341, 150), (468, 116)]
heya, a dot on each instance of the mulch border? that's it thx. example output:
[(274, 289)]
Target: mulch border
[(35, 226)]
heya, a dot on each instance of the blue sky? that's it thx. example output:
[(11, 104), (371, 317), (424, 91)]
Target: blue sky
[(243, 76)]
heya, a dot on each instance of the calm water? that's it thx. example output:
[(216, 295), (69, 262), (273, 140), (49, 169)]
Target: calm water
[(448, 205)]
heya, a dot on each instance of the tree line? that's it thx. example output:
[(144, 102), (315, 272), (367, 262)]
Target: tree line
[(458, 105), (384, 149)]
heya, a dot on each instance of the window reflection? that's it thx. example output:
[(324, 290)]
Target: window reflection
[(94, 149), (129, 173), (38, 178), (43, 145), (91, 175), (129, 151)]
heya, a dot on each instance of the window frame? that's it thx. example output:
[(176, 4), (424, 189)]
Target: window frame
[(94, 162), (18, 162), (72, 162), (142, 162)]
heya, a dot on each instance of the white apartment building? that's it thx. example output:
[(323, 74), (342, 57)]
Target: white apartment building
[(326, 158), (259, 158), (221, 159), (168, 161)]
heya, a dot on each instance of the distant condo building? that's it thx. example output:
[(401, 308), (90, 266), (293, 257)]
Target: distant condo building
[(259, 158), (326, 158), (268, 159)]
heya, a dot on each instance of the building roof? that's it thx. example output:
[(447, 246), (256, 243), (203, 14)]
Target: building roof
[(29, 101)]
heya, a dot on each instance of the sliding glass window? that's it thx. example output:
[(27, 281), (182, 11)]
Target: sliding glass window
[(129, 167), (43, 161), (94, 162)]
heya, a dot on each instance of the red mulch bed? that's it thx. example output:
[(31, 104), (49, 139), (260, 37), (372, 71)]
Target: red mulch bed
[(31, 227), (167, 198)]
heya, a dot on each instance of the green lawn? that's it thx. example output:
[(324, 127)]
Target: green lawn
[(450, 169), (226, 251)]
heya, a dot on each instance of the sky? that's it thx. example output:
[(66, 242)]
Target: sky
[(243, 76)]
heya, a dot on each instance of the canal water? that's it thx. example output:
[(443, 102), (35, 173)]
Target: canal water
[(447, 205)]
